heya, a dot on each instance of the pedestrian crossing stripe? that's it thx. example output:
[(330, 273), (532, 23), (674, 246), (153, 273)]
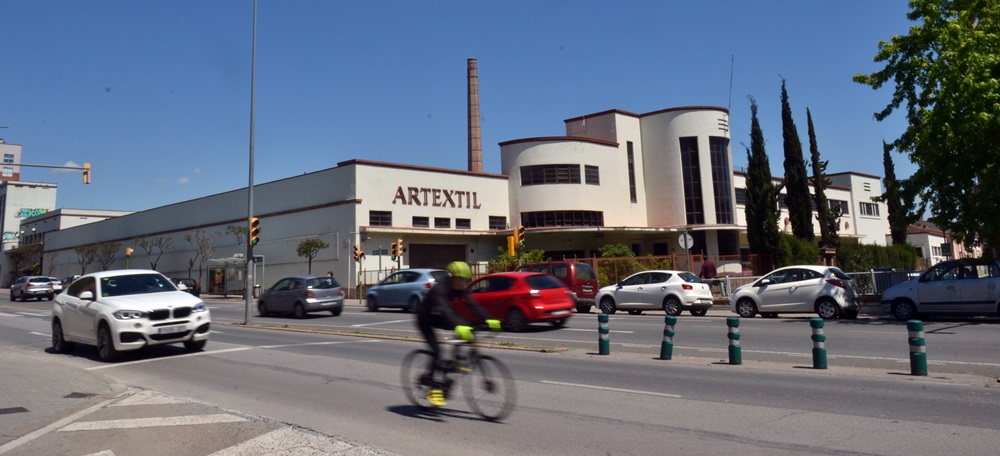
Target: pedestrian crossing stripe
[(152, 422)]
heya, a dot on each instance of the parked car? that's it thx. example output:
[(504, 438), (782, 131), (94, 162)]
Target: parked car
[(578, 277), (301, 295), (403, 289), (670, 291), (825, 290), (37, 287), (187, 284), (124, 310), (57, 286), (956, 287), (518, 299)]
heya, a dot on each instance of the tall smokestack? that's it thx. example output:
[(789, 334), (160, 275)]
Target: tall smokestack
[(475, 136)]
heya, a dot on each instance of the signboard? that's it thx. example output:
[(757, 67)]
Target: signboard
[(686, 241), (380, 252)]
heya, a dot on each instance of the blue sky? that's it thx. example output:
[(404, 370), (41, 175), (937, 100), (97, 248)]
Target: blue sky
[(156, 94)]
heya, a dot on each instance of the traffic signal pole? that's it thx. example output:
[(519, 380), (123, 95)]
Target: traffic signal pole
[(248, 290)]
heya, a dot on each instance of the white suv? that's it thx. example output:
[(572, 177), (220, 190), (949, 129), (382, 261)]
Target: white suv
[(127, 310), (956, 287)]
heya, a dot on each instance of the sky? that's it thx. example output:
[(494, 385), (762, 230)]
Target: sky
[(156, 95)]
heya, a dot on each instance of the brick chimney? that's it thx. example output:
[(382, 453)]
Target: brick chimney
[(475, 136)]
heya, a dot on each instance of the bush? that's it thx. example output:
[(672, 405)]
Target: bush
[(864, 257), (792, 250)]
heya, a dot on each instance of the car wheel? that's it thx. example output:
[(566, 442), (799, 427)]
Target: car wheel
[(699, 312), (262, 309), (558, 323), (827, 309), (299, 311), (24, 298), (583, 308), (412, 306), (746, 308), (195, 345), (336, 312), (903, 310), (607, 305), (372, 305), (672, 306), (59, 343), (516, 321), (105, 344), (634, 312), (50, 297)]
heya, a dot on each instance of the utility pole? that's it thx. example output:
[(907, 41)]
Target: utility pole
[(248, 291)]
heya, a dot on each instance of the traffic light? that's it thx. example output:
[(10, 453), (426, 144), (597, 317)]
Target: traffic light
[(254, 231), (358, 254), (86, 173), (519, 234), (510, 246), (399, 247), (394, 250)]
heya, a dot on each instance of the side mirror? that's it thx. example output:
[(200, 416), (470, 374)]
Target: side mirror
[(87, 295), (764, 282)]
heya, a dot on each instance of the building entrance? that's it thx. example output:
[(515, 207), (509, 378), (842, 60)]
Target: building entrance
[(435, 256)]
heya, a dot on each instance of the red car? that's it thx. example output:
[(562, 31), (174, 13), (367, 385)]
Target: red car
[(521, 298)]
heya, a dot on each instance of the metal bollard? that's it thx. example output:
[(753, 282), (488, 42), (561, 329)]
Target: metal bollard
[(918, 348), (735, 354), (667, 346), (819, 343), (604, 344)]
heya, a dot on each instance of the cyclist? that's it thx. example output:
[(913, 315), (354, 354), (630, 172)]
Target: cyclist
[(437, 310)]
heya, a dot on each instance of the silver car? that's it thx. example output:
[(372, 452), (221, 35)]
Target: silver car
[(670, 291), (403, 289), (301, 295), (37, 287), (957, 287), (825, 290)]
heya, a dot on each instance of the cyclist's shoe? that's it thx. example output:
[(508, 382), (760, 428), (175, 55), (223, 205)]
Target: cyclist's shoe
[(436, 398)]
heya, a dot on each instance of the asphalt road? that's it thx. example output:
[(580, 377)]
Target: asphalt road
[(570, 401)]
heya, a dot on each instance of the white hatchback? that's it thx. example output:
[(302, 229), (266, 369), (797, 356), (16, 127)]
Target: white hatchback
[(127, 310), (670, 291), (825, 290)]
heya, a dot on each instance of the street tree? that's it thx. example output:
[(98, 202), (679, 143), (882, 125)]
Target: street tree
[(762, 193), (309, 248), (203, 243), (85, 255), (895, 200), (151, 244), (828, 217), (240, 233), (106, 254), (25, 257), (947, 83), (797, 196)]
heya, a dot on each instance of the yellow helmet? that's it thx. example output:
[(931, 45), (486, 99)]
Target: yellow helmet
[(460, 269)]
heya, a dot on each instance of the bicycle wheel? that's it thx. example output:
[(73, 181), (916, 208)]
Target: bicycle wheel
[(489, 388), (415, 378)]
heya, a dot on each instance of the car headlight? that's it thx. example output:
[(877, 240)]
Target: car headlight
[(200, 307), (129, 314)]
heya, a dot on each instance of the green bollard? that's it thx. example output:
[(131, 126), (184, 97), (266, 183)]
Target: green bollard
[(604, 344), (819, 343), (918, 348), (667, 346), (735, 354)]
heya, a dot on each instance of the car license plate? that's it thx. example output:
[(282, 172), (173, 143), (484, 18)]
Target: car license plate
[(560, 312), (172, 329)]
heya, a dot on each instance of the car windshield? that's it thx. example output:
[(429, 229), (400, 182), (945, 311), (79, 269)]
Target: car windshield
[(689, 277), (38, 280), (322, 283), (135, 284)]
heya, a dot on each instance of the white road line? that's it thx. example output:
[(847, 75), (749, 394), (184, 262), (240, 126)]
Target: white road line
[(380, 323), (36, 314), (45, 430), (148, 398), (617, 390), (40, 334), (594, 330), (153, 422), (287, 441), (186, 355), (321, 343), (5, 314)]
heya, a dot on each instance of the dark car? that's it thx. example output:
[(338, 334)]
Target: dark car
[(520, 298), (37, 287), (578, 277), (301, 295), (403, 289), (190, 285)]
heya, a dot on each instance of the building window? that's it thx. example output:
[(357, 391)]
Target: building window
[(845, 208), (380, 218), (741, 196), (721, 179), (631, 172), (550, 174), (936, 251), (691, 172), (869, 209), (8, 171), (463, 224), (498, 222), (421, 222), (562, 218), (8, 158), (591, 175), (442, 222)]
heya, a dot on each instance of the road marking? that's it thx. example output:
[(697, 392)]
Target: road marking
[(321, 343), (149, 398), (40, 334), (287, 441), (35, 314), (45, 430), (617, 390), (153, 422), (186, 355), (380, 323), (591, 330), (103, 453), (5, 314)]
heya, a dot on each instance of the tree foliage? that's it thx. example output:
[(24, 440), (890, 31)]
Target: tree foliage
[(794, 250), (762, 193), (106, 252), (828, 218), (25, 257), (151, 244), (946, 74), (899, 217), (241, 233), (85, 255), (203, 243), (797, 196), (309, 248)]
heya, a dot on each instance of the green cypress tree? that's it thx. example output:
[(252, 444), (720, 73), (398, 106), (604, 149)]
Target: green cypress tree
[(797, 196), (828, 218), (762, 193)]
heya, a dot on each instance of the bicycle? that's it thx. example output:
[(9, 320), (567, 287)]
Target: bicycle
[(487, 383)]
